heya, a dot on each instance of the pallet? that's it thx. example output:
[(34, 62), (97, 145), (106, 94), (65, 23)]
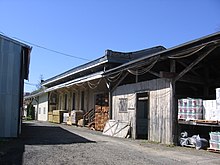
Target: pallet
[(215, 150), (214, 122)]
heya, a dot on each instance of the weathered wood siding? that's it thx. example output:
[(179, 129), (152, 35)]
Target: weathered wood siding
[(160, 116)]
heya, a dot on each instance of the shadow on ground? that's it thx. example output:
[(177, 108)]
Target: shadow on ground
[(11, 150)]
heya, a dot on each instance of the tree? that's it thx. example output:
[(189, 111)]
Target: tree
[(39, 86)]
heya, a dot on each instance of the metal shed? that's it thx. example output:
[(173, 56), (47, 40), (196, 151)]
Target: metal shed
[(14, 68)]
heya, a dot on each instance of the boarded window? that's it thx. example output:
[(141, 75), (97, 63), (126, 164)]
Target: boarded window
[(123, 104), (44, 110)]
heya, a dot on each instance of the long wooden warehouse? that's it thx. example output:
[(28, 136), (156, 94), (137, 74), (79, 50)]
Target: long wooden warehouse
[(147, 90)]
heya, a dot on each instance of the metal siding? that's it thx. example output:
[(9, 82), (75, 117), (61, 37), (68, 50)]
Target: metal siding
[(10, 61)]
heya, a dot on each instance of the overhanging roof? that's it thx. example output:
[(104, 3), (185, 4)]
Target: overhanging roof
[(84, 79), (187, 47), (26, 50), (109, 57)]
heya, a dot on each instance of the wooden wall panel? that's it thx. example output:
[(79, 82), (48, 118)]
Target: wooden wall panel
[(160, 119)]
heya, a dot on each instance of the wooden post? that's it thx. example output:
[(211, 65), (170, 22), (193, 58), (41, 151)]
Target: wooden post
[(110, 103), (174, 125), (136, 76), (108, 84)]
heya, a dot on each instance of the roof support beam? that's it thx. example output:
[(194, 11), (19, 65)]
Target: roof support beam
[(200, 58), (121, 79), (185, 65), (154, 73)]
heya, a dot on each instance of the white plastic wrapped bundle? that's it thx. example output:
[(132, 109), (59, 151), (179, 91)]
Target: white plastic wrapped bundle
[(190, 109)]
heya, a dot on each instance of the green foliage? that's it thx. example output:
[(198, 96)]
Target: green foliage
[(30, 112)]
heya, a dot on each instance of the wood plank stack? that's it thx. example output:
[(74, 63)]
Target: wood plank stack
[(101, 117), (58, 116), (50, 116)]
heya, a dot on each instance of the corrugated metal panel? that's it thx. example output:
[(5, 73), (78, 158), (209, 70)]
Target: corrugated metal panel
[(10, 61)]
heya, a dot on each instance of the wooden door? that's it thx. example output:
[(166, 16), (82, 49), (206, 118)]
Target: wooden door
[(142, 112)]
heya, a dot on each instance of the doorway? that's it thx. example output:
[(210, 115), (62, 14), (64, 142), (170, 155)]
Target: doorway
[(142, 112)]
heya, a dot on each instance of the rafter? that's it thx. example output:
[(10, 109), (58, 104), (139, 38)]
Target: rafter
[(200, 58)]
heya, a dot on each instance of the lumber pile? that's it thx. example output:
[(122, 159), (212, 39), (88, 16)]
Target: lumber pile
[(50, 116), (101, 117), (58, 116)]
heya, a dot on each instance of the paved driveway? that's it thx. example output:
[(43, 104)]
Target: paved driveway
[(46, 143)]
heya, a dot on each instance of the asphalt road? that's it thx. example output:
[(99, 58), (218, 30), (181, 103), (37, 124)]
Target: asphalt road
[(56, 144)]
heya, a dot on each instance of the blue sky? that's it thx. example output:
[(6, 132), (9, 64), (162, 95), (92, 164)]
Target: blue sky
[(86, 28)]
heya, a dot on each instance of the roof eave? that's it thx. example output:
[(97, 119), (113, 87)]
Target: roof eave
[(199, 41)]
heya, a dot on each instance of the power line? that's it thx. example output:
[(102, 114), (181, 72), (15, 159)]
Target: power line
[(55, 51), (51, 50), (30, 84)]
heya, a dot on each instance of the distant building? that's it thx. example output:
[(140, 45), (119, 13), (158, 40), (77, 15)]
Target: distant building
[(37, 102), (14, 68)]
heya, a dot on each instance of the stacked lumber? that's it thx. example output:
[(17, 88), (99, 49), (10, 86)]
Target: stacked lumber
[(50, 116), (58, 116), (101, 117)]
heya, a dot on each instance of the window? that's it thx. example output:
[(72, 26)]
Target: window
[(82, 100), (39, 110), (123, 104), (74, 101), (60, 102), (44, 110), (65, 101), (101, 99)]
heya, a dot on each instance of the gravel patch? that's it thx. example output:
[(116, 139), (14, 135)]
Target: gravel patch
[(57, 144)]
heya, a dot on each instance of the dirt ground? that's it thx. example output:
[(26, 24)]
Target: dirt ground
[(56, 144)]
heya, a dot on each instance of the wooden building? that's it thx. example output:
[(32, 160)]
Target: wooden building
[(84, 88), (147, 89), (14, 68)]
